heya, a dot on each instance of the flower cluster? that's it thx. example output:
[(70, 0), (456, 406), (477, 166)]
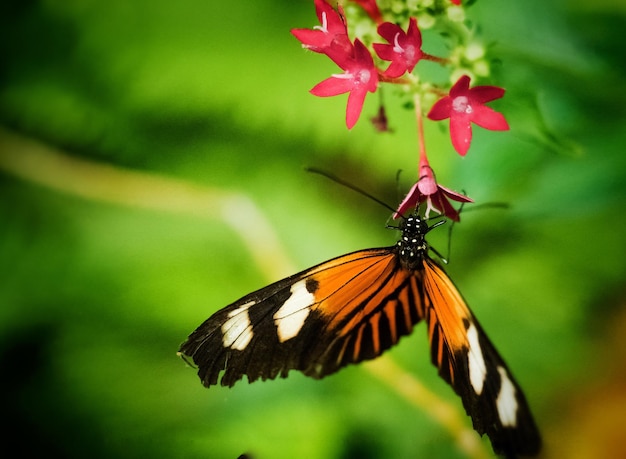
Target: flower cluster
[(390, 56)]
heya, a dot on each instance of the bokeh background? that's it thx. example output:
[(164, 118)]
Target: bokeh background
[(152, 160)]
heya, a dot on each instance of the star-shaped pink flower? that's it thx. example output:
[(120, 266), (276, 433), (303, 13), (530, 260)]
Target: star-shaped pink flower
[(465, 106), (360, 76), (404, 50), (332, 33), (434, 195)]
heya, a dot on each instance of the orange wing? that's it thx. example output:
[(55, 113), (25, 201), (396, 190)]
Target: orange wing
[(469, 362), (343, 311)]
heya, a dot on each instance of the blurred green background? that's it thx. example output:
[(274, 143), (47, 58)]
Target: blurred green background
[(151, 172)]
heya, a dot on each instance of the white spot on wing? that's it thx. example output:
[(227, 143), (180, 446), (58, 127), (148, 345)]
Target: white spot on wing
[(506, 403), (476, 362), (290, 318), (237, 330)]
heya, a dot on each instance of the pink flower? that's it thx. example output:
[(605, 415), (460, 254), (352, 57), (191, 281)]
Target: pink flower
[(371, 8), (405, 49), (332, 33), (435, 196), (465, 106), (360, 77)]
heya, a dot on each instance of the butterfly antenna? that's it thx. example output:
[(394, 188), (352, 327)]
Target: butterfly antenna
[(398, 192), (447, 259), (353, 187)]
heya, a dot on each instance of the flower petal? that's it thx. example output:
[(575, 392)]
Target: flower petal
[(460, 133), (385, 52), (315, 40), (487, 118), (427, 183), (389, 30), (330, 19), (443, 206), (332, 86), (411, 200), (441, 109), (355, 106), (454, 195), (341, 52), (396, 69), (484, 94), (413, 33), (461, 87)]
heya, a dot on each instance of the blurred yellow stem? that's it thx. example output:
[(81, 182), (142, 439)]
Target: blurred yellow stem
[(46, 166)]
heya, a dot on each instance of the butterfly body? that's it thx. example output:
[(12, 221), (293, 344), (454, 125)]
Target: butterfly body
[(353, 308)]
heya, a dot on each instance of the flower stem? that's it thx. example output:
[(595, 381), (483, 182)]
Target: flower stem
[(439, 60), (419, 117)]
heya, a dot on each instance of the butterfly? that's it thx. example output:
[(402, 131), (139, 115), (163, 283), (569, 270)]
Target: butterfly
[(354, 307)]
